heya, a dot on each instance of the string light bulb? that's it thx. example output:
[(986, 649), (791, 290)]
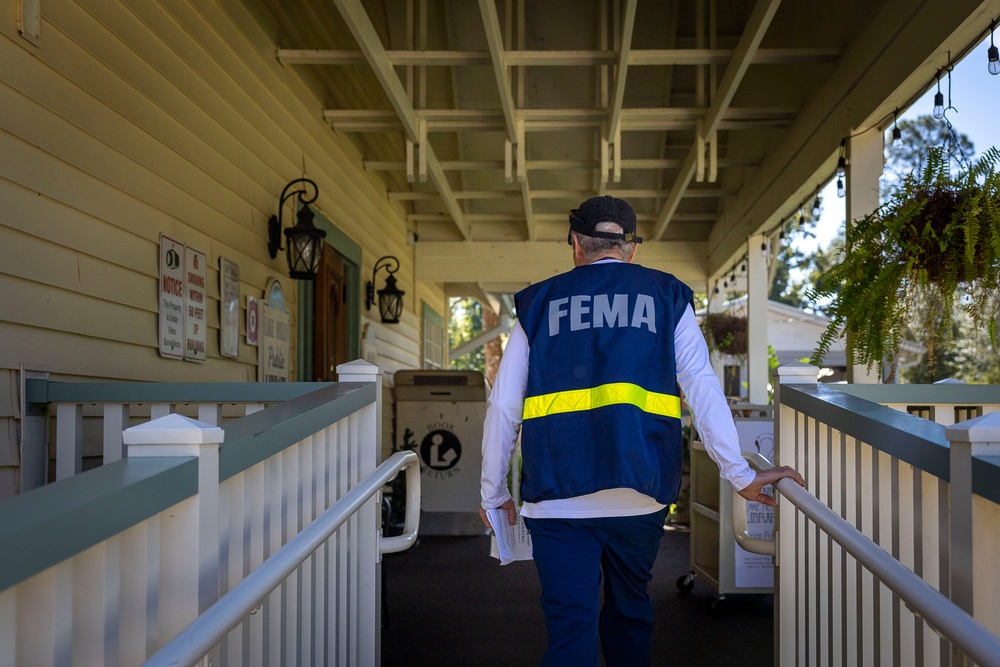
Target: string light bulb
[(992, 54), (816, 206), (938, 101), (841, 192), (896, 134)]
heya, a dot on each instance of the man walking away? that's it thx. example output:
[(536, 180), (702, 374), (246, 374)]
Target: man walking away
[(592, 375)]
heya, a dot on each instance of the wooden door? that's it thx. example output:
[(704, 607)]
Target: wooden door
[(329, 317)]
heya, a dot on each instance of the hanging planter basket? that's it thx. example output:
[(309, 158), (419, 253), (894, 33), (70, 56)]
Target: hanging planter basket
[(941, 226), (726, 333), (933, 246)]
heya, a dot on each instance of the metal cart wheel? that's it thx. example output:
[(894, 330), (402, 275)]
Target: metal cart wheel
[(685, 582)]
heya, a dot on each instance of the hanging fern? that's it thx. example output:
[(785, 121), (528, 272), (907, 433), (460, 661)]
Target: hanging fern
[(906, 263), (726, 333)]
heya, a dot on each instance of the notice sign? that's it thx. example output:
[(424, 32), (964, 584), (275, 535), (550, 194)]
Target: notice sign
[(756, 570), (273, 346), (229, 308), (194, 339), (172, 268)]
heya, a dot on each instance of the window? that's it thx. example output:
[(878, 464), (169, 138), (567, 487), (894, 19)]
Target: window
[(967, 412), (922, 411), (731, 381), (433, 339)]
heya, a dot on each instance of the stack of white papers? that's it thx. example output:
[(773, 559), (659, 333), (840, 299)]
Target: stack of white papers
[(509, 543)]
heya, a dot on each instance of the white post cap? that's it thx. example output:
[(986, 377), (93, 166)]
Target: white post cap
[(173, 429), (358, 370), (797, 372), (983, 432)]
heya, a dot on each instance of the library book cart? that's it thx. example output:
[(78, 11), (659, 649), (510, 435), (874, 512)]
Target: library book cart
[(715, 555)]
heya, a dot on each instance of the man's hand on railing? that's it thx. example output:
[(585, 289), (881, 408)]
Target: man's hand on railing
[(754, 492)]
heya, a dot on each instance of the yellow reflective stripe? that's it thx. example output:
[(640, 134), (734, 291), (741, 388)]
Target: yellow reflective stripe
[(617, 393)]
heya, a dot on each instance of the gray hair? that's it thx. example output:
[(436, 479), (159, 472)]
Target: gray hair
[(594, 246)]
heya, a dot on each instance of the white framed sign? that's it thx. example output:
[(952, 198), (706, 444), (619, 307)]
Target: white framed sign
[(274, 349), (229, 308), (172, 326), (756, 570), (196, 298)]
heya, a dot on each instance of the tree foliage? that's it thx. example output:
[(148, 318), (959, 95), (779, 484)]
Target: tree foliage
[(908, 154), (465, 323), (785, 288), (787, 284)]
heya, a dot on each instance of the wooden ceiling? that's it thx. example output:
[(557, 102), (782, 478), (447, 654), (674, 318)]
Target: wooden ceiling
[(491, 119)]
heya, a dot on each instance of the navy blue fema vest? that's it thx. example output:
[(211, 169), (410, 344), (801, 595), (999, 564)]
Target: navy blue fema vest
[(602, 407)]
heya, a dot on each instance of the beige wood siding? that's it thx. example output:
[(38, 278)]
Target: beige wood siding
[(128, 120)]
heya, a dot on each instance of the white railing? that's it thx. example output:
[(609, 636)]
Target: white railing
[(924, 495), (944, 616), (88, 418), (202, 636), (107, 566)]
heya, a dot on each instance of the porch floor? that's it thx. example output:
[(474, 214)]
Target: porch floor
[(449, 603)]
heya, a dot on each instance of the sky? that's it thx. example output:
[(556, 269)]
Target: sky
[(975, 95)]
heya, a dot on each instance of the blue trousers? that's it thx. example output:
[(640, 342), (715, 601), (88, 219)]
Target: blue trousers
[(576, 559)]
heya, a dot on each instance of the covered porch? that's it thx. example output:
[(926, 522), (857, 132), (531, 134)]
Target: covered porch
[(453, 137)]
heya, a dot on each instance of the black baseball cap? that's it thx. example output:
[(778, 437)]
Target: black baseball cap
[(584, 220)]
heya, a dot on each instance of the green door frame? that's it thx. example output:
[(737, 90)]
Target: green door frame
[(351, 252)]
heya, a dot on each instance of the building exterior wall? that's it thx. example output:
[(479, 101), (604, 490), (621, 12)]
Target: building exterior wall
[(128, 120)]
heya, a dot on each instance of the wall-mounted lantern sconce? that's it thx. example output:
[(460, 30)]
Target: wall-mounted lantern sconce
[(304, 241), (390, 297)]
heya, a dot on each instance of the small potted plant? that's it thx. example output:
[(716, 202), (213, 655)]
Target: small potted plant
[(934, 246)]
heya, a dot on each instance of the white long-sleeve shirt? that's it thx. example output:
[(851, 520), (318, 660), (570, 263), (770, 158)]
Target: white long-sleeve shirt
[(701, 388)]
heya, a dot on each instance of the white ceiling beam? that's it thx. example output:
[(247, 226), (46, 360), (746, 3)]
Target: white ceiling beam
[(512, 262), (360, 25), (515, 133), (757, 24), (504, 290), (557, 165), (621, 70), (635, 193), (636, 58), (491, 24), (529, 214), (364, 125), (474, 218), (471, 217), (549, 120), (635, 114), (670, 30)]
